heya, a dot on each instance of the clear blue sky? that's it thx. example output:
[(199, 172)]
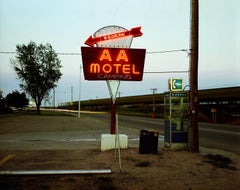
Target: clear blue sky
[(66, 24)]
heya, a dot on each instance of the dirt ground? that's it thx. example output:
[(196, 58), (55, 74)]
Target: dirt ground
[(165, 170)]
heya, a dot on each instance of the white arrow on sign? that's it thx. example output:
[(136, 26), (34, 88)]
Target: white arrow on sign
[(173, 83), (113, 86)]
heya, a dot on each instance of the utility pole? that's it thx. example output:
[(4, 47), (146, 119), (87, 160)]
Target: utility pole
[(194, 142), (154, 90)]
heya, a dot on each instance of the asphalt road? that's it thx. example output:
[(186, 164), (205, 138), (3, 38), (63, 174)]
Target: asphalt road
[(216, 136), (17, 132)]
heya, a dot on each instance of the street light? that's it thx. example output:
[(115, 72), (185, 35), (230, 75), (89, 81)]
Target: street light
[(154, 90), (79, 98)]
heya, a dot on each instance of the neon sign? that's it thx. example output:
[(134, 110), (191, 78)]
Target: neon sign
[(135, 32), (113, 63)]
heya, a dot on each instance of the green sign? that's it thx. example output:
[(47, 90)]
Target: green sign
[(175, 84), (179, 94)]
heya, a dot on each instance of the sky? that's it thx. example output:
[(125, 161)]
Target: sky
[(66, 25)]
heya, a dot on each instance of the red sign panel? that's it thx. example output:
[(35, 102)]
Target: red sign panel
[(113, 63)]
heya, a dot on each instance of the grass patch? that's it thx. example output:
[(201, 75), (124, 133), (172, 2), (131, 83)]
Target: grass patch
[(45, 113)]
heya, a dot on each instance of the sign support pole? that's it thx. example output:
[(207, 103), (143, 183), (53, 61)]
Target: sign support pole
[(113, 90), (113, 117), (117, 142)]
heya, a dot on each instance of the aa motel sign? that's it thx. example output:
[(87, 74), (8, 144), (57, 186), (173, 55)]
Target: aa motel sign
[(123, 64), (110, 63)]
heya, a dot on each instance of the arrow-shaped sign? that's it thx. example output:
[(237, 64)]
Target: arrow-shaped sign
[(177, 83), (135, 32)]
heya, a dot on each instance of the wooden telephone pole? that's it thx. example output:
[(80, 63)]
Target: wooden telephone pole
[(194, 142)]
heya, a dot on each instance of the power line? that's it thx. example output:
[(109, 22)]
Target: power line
[(13, 52), (149, 52), (162, 72), (8, 52), (69, 53), (169, 51)]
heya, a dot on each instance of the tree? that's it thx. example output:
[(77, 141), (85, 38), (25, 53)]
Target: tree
[(4, 109), (1, 96), (2, 101), (16, 99), (38, 68)]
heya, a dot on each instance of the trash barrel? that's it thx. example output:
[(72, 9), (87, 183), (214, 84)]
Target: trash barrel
[(148, 142)]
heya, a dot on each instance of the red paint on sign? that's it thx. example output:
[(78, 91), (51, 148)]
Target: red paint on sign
[(113, 63), (135, 32)]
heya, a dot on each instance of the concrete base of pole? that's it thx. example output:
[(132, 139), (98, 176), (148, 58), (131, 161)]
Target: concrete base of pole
[(108, 141)]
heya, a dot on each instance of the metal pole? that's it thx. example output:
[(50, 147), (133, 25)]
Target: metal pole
[(118, 142), (48, 172), (71, 103), (79, 98), (54, 97), (71, 94), (194, 142)]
